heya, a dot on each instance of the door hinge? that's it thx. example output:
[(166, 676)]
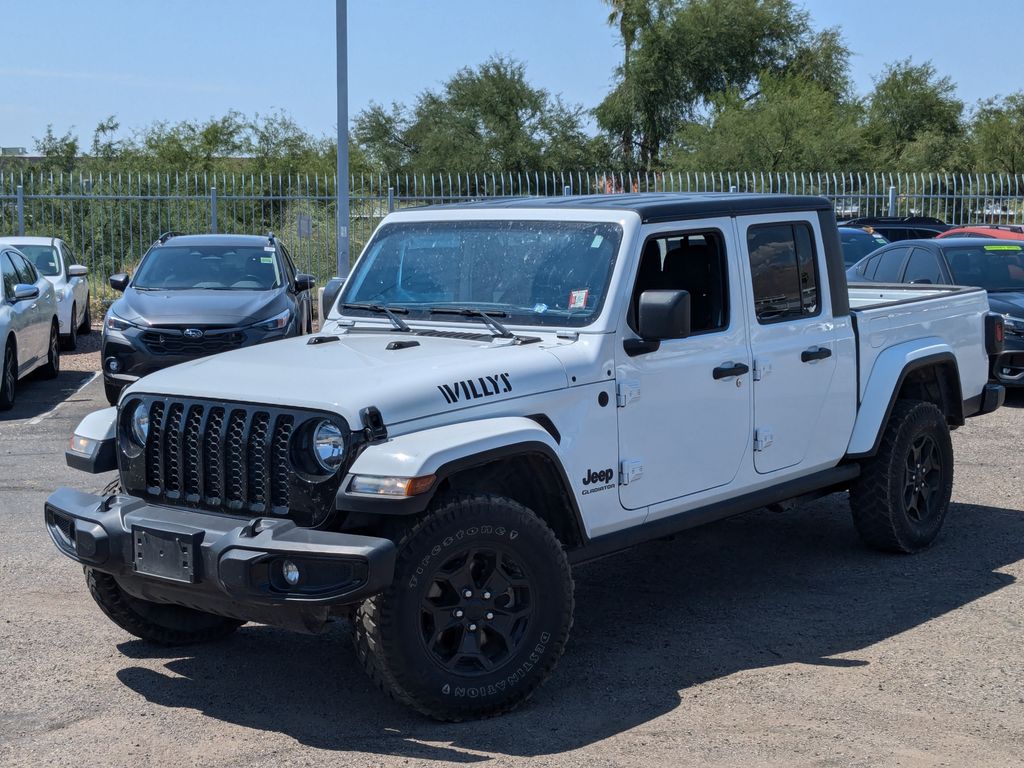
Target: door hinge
[(761, 369), (762, 439), (630, 471), (626, 392)]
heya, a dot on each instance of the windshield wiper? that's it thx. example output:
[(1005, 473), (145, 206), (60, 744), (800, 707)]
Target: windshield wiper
[(380, 309), (488, 318)]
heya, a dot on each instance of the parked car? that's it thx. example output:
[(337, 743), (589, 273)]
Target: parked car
[(894, 228), (29, 327), (998, 267), (858, 242), (54, 260), (197, 295), (505, 388), (995, 231)]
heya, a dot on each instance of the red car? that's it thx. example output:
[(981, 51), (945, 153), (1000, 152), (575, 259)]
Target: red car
[(998, 231)]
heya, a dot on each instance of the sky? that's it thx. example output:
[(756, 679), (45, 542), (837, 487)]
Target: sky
[(71, 63)]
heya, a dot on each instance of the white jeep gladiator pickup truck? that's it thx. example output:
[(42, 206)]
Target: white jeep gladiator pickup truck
[(503, 389)]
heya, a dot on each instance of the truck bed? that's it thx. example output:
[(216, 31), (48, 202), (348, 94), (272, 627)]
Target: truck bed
[(947, 318)]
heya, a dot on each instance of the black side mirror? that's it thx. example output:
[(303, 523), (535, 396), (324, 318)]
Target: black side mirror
[(664, 315), (304, 282), (119, 281), (331, 291)]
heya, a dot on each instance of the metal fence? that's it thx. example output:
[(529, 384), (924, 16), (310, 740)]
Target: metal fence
[(110, 219)]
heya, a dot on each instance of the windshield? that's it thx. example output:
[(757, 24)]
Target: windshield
[(857, 244), (992, 267), (248, 268), (530, 272), (44, 257)]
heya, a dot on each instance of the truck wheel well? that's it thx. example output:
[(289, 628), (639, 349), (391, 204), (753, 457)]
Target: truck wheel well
[(534, 481), (936, 383)]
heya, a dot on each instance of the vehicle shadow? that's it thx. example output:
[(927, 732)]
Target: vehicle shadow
[(1014, 398), (36, 395), (651, 625)]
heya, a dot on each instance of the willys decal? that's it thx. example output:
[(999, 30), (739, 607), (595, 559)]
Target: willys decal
[(474, 389)]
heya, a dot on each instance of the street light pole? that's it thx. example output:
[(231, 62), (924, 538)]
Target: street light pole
[(341, 14)]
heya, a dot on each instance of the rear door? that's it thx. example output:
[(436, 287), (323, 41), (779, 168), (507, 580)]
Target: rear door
[(791, 336), (924, 268)]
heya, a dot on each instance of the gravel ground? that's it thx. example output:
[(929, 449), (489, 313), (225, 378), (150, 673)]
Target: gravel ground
[(767, 639), (86, 356)]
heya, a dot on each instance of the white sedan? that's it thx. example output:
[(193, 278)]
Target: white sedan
[(54, 260), (29, 330)]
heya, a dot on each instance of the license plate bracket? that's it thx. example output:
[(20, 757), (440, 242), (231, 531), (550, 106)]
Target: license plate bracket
[(167, 551)]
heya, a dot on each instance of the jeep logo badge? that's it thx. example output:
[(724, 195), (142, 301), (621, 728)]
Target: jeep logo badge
[(193, 333)]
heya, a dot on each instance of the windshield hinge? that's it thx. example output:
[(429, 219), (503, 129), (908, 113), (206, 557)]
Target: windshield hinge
[(630, 470), (761, 369), (762, 439)]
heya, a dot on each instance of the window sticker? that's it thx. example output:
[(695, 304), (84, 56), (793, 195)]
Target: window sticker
[(267, 259), (540, 308), (1002, 247), (269, 248), (598, 239), (578, 299)]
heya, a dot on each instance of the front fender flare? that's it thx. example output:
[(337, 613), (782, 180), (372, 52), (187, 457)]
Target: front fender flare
[(441, 451), (94, 445), (884, 382)]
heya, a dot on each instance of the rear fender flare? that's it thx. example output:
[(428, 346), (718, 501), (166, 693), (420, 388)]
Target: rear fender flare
[(890, 370)]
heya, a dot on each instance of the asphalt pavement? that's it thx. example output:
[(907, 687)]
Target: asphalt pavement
[(767, 639)]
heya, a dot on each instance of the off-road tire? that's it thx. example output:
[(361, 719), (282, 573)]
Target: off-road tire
[(9, 378), (86, 327), (112, 391), (884, 499), (155, 622), (69, 341), (51, 369), (389, 627)]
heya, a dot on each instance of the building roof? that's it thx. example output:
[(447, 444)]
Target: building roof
[(663, 206)]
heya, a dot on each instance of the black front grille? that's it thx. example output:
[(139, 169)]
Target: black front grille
[(171, 341), (227, 457)]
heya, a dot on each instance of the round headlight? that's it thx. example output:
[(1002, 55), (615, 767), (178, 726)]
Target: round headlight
[(328, 445), (140, 424)]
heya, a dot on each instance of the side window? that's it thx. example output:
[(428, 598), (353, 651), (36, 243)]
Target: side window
[(10, 277), (889, 265), (68, 254), (693, 262), (288, 264), (26, 271), (868, 270), (784, 271), (923, 267)]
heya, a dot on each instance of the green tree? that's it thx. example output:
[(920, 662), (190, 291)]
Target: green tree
[(997, 134), (488, 118), (104, 145), (59, 152), (914, 118), (793, 124), (692, 51)]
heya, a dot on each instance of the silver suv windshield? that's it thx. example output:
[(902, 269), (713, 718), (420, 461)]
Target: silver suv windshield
[(526, 272)]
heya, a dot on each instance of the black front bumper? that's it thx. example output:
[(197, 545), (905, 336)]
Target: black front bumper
[(232, 566), (1008, 365)]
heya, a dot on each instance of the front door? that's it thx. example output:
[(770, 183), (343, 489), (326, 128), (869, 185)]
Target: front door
[(684, 408), (792, 338)]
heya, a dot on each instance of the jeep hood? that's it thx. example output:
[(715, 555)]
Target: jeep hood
[(435, 376)]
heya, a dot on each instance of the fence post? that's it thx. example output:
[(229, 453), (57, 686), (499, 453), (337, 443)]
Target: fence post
[(566, 190), (21, 210), (733, 189), (391, 199), (892, 200), (213, 210)]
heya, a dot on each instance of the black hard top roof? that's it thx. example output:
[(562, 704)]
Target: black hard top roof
[(662, 206)]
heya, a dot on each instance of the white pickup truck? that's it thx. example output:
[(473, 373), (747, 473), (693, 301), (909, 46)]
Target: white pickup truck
[(503, 389)]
